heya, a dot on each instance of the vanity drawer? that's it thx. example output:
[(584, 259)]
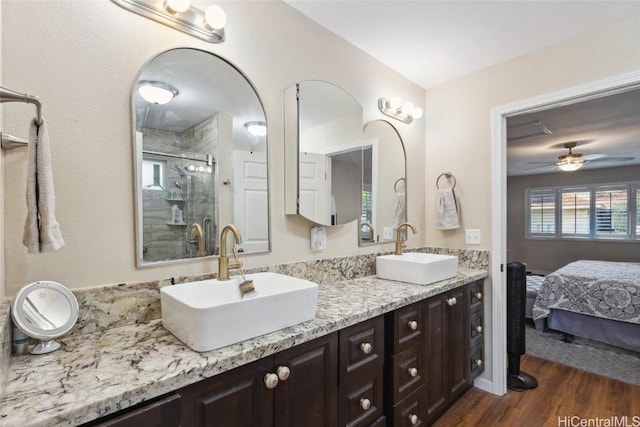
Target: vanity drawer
[(412, 411), (361, 349), (476, 296), (361, 401), (407, 372), (406, 325), (164, 412), (476, 359), (476, 329)]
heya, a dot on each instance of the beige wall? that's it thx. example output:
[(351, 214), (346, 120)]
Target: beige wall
[(545, 256), (459, 115), (81, 58)]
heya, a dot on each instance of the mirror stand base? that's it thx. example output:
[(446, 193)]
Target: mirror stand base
[(44, 347)]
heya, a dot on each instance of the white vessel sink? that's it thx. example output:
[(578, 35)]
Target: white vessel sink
[(211, 314), (418, 268)]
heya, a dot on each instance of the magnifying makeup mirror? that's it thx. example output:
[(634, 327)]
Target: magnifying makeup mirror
[(45, 310)]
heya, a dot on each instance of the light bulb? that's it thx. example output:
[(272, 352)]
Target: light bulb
[(417, 113), (215, 18), (176, 6), (395, 102), (407, 107)]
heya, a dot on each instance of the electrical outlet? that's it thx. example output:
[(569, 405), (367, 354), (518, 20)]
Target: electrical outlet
[(387, 233), (318, 239), (472, 236)]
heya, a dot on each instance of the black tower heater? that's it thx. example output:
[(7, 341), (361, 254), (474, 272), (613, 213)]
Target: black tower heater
[(516, 305)]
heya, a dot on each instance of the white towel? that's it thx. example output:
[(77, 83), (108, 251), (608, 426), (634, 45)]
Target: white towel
[(398, 210), (447, 210), (41, 230)]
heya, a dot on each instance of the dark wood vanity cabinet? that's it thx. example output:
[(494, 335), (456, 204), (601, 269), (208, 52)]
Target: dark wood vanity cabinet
[(305, 392), (433, 349), (404, 368)]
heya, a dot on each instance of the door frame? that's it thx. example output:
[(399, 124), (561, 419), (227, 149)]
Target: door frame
[(499, 116)]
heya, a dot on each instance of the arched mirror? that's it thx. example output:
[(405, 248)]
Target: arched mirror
[(45, 310), (323, 153), (384, 183), (200, 157)]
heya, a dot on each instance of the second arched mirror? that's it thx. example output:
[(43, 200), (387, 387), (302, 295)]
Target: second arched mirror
[(323, 153), (384, 183), (200, 157)]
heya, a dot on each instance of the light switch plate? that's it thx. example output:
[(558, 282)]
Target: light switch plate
[(472, 236), (318, 239)]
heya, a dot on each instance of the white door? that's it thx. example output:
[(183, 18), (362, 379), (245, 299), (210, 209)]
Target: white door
[(312, 189), (250, 200)]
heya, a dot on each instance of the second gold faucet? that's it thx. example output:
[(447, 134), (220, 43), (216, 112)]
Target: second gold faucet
[(399, 242)]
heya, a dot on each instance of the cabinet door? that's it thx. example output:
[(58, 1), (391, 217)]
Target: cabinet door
[(309, 397), (162, 413), (457, 324), (436, 349), (237, 398)]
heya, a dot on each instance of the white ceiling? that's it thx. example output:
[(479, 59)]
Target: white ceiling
[(433, 42)]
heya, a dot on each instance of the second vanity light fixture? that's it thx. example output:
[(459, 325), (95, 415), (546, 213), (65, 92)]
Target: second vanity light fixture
[(393, 107), (207, 25)]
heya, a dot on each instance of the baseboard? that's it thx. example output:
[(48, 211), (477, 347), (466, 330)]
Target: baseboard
[(484, 385)]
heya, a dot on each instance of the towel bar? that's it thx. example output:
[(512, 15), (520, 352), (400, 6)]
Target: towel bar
[(447, 175)]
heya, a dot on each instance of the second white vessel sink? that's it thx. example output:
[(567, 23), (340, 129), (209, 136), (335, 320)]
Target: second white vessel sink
[(417, 268), (210, 314)]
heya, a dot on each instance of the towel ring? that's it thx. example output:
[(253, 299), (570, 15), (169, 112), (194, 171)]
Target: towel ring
[(395, 185), (447, 175)]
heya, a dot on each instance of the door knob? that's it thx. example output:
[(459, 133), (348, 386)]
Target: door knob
[(365, 403), (283, 373), (271, 380), (366, 347)]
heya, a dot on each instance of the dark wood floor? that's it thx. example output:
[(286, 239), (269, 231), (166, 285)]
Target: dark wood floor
[(562, 392)]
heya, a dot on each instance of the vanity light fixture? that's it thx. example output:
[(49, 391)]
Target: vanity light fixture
[(207, 25), (156, 92), (406, 112), (257, 129)]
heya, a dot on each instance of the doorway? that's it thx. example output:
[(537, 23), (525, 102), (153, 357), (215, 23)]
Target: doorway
[(499, 117)]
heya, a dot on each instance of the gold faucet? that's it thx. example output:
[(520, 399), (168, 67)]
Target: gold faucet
[(195, 232), (373, 233), (224, 263), (399, 242)]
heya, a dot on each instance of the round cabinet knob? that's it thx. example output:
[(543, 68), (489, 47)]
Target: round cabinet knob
[(479, 362), (413, 372), (366, 347), (365, 403), (413, 419), (450, 301), (455, 301), (413, 325), (479, 329), (271, 380), (479, 295), (283, 373)]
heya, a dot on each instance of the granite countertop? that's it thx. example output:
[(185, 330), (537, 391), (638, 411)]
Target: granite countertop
[(101, 373)]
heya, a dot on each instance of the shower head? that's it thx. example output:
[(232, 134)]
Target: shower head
[(179, 170)]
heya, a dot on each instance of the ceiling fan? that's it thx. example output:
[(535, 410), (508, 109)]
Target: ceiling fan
[(573, 161)]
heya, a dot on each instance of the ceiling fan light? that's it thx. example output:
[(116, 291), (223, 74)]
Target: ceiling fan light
[(570, 164)]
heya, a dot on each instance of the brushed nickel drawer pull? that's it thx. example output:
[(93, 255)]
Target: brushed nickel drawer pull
[(413, 419), (366, 347), (479, 295), (413, 325), (365, 403), (283, 373), (271, 380), (413, 372)]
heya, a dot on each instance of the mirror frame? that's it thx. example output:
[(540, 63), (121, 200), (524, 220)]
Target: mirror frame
[(18, 315), (406, 198), (137, 169)]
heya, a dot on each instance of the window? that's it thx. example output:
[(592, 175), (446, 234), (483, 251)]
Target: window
[(602, 211), (575, 213), (542, 206)]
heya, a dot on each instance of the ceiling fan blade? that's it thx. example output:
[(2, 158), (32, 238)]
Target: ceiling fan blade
[(592, 157), (613, 159)]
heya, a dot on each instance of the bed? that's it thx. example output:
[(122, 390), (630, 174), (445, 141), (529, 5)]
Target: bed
[(534, 282), (599, 300)]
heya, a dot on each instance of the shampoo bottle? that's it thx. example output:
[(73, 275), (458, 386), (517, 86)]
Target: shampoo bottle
[(175, 214)]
